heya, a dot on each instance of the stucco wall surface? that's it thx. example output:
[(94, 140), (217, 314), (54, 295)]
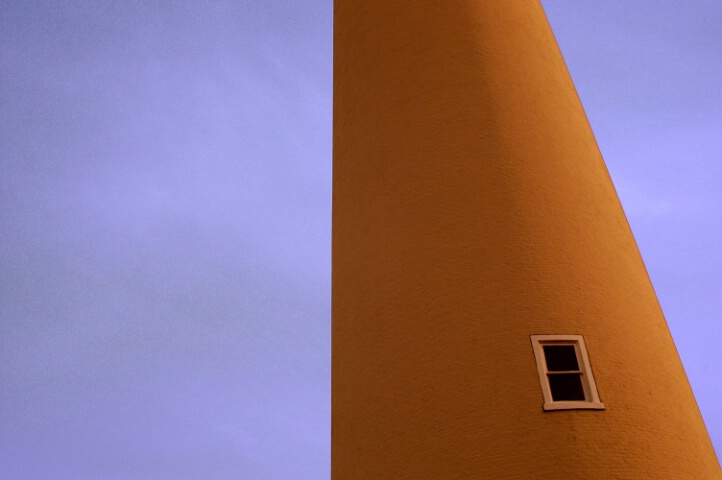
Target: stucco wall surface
[(471, 209)]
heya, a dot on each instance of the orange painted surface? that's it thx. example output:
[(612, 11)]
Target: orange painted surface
[(471, 209)]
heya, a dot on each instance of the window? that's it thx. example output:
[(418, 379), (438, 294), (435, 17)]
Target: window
[(564, 372)]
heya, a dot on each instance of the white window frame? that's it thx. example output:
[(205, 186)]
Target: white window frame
[(591, 396)]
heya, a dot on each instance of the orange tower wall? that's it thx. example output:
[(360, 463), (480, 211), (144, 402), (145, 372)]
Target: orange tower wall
[(472, 209)]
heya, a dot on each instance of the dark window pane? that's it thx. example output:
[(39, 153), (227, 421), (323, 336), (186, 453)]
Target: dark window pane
[(560, 358), (566, 387)]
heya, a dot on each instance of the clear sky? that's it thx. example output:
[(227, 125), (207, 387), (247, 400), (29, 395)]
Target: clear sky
[(165, 199)]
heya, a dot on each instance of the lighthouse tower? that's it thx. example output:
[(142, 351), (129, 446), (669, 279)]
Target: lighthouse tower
[(491, 314)]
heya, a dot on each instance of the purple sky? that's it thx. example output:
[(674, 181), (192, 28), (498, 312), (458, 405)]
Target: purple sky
[(165, 199)]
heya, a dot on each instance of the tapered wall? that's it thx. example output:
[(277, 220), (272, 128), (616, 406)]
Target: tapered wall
[(472, 209)]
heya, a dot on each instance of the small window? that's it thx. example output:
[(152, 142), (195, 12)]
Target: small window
[(564, 372)]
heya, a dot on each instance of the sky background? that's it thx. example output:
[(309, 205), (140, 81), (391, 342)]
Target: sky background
[(165, 222)]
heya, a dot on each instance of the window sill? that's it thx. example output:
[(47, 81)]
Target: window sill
[(573, 406)]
